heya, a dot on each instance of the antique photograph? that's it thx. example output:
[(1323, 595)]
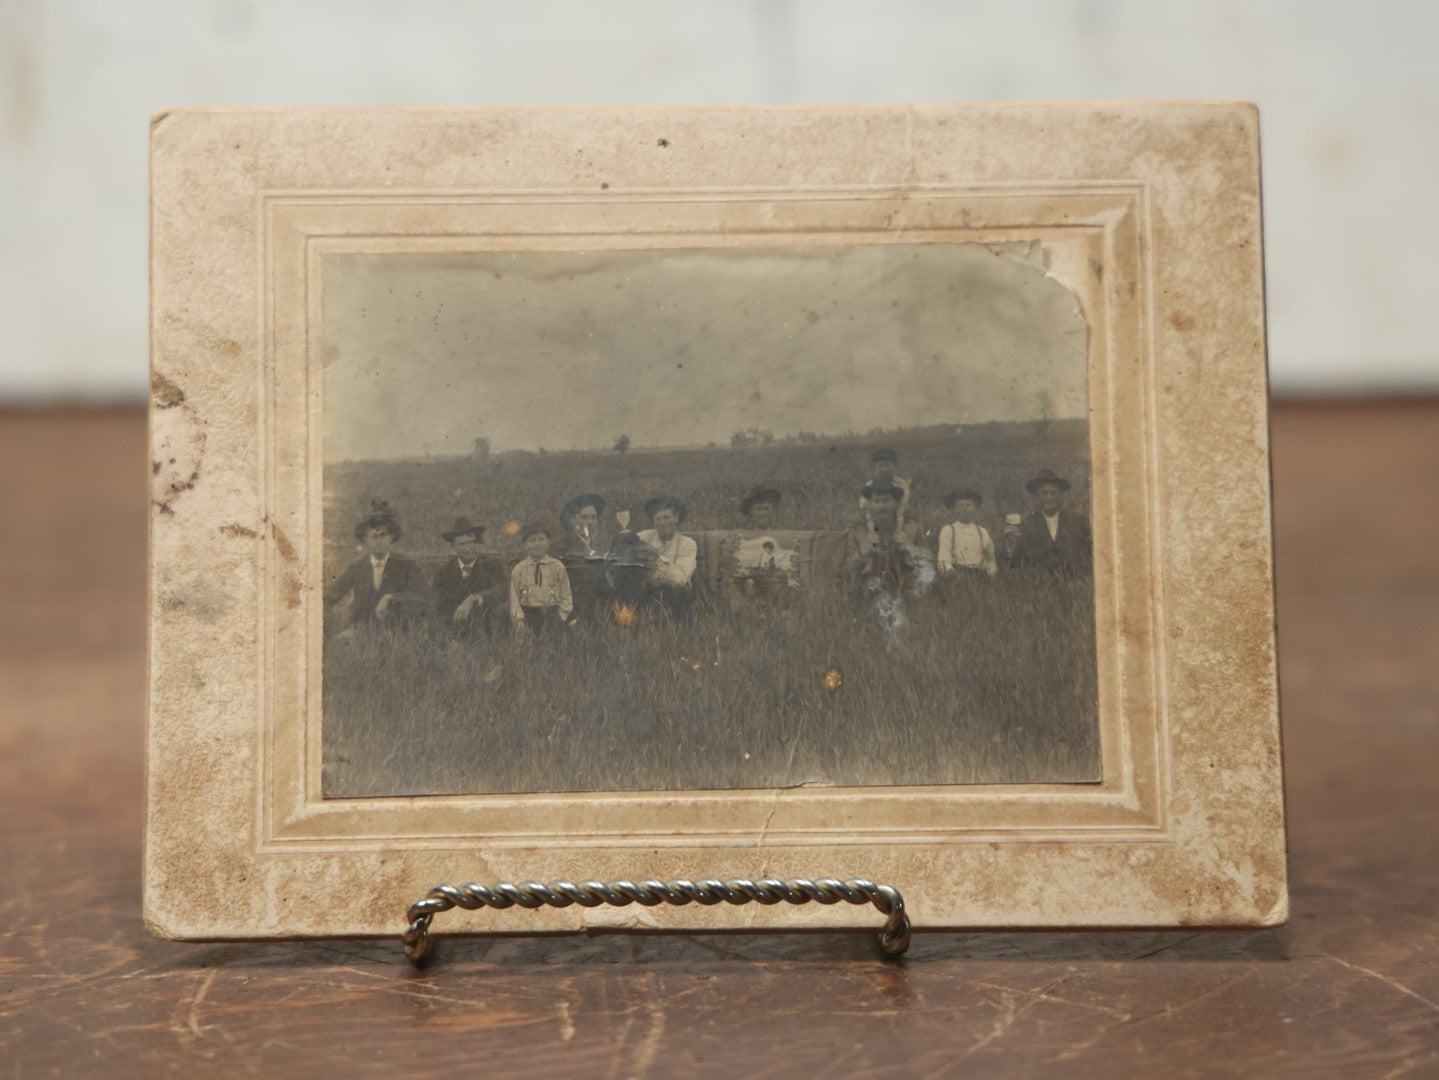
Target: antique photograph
[(540, 492), (705, 518)]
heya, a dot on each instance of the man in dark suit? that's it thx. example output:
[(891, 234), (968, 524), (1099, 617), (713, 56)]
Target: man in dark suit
[(384, 587), (1050, 538), (470, 591)]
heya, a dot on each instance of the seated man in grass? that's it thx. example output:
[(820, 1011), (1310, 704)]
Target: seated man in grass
[(1052, 538), (581, 548), (754, 565), (884, 568), (880, 557), (884, 470), (670, 584), (384, 588), (760, 508), (470, 590)]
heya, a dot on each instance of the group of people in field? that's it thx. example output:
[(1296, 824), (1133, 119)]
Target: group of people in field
[(577, 575)]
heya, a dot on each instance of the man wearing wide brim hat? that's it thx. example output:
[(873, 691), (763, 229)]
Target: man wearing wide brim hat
[(752, 566), (383, 587), (884, 469), (1046, 476), (463, 529), (876, 489), (380, 517), (582, 547), (672, 503), (1051, 537), (572, 509), (670, 580), (760, 507), (880, 525), (883, 554), (469, 589), (887, 520)]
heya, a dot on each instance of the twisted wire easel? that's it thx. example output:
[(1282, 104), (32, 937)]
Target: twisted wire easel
[(893, 938)]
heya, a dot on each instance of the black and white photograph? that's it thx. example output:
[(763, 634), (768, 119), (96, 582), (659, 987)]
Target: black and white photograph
[(705, 518)]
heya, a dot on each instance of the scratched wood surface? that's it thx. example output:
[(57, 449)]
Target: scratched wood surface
[(1349, 987)]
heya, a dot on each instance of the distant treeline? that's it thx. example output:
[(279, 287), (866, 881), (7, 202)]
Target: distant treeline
[(758, 437)]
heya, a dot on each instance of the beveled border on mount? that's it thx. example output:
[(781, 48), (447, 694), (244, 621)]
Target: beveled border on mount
[(1082, 227), (237, 844)]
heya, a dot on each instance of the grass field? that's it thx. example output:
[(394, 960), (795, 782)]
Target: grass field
[(987, 681)]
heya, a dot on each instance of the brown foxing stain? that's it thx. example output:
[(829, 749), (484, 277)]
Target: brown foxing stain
[(282, 544), (228, 347), (1181, 321), (238, 531), (164, 393), (174, 488), (179, 444), (294, 587)]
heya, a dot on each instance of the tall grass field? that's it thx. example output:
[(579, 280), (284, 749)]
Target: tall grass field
[(980, 681)]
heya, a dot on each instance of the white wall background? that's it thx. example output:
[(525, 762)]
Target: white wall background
[(1349, 94)]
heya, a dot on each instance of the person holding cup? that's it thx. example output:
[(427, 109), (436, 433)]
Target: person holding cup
[(1052, 537)]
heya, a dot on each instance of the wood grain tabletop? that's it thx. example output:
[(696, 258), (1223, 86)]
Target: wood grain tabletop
[(1350, 987)]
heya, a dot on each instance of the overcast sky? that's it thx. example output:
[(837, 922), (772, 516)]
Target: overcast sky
[(568, 350)]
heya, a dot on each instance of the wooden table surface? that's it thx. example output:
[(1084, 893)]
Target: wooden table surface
[(1349, 987)]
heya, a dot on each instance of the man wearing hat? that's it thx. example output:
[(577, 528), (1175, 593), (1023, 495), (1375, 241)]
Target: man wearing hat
[(582, 550), (760, 507), (881, 558), (755, 566), (883, 469), (669, 583), (469, 590), (384, 587), (1050, 537)]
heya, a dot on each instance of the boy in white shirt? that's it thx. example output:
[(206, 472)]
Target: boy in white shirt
[(539, 586), (964, 546)]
